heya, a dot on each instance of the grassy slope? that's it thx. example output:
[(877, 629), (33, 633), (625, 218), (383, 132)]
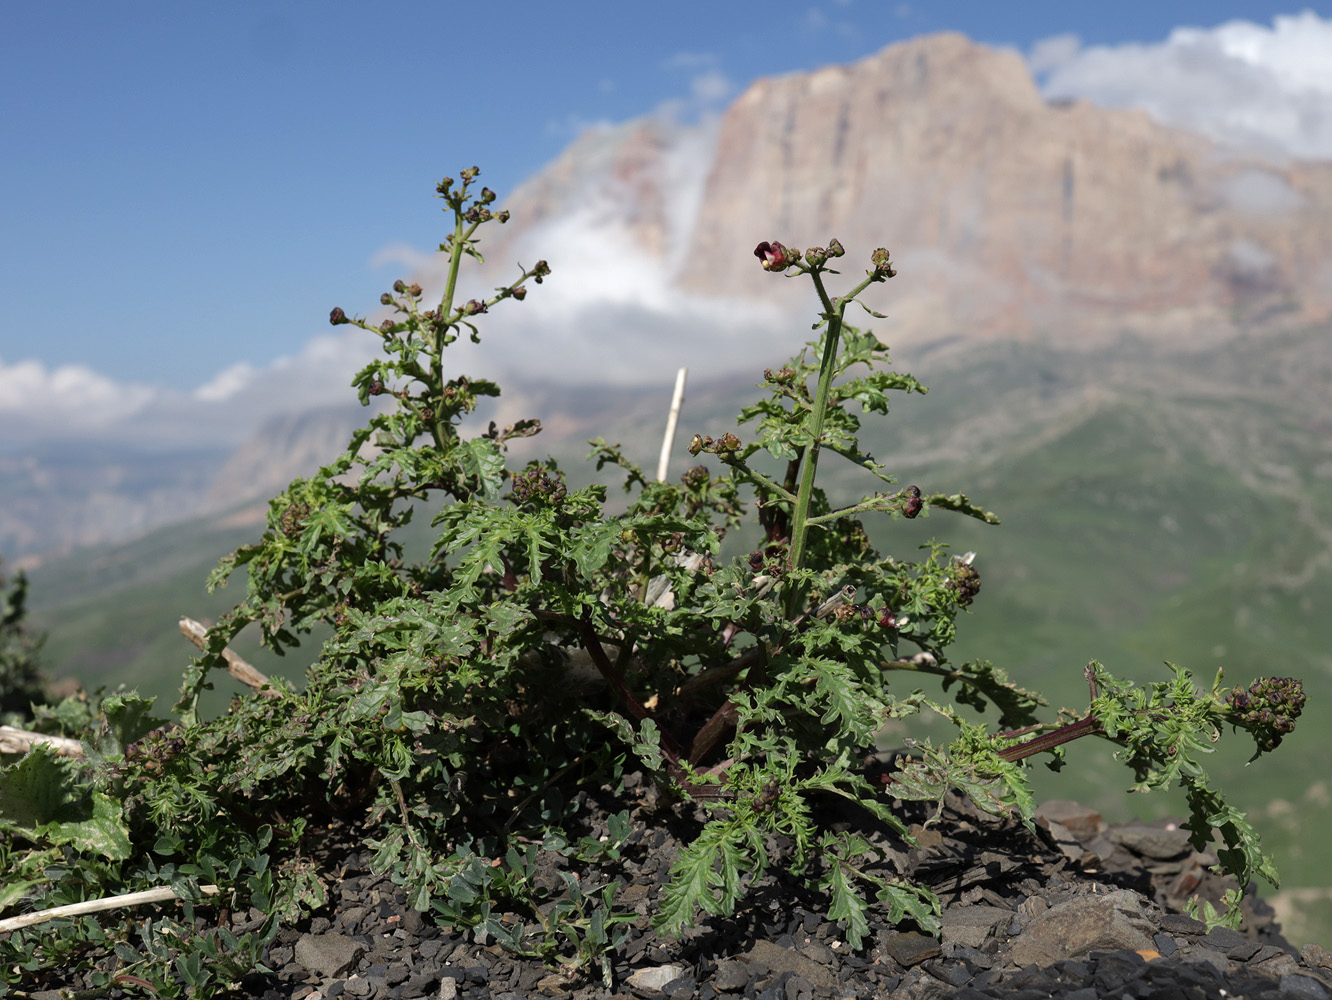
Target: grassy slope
[(1154, 508)]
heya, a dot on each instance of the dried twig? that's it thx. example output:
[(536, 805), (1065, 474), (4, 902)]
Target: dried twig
[(162, 895), (663, 463), (21, 740), (236, 666)]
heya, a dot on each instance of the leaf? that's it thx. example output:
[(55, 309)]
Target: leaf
[(848, 906), (482, 459), (695, 879)]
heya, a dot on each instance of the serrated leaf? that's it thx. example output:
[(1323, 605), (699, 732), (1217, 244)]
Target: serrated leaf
[(847, 907)]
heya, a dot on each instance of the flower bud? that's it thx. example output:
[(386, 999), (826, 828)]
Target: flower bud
[(883, 267), (443, 186), (816, 256), (696, 477), (473, 307), (519, 293), (337, 317), (386, 299), (835, 247), (414, 290)]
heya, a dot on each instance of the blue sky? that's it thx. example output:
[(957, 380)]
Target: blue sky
[(189, 187)]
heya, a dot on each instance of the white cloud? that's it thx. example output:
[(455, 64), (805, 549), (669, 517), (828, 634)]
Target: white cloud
[(65, 400), (1264, 88)]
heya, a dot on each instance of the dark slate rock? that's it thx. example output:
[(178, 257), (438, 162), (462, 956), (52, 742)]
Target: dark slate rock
[(1153, 841), (731, 976), (329, 956), (1302, 987), (1075, 928), (972, 926), (908, 948)]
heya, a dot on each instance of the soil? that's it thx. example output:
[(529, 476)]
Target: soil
[(1074, 908)]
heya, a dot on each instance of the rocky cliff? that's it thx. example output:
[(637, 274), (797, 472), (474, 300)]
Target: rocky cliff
[(1008, 215)]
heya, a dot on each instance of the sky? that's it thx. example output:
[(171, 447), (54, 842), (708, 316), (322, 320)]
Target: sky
[(189, 188)]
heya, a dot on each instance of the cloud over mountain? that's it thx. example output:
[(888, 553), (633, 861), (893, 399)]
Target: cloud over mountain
[(1257, 87)]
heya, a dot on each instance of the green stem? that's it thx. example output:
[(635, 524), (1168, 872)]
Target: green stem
[(439, 426), (800, 514)]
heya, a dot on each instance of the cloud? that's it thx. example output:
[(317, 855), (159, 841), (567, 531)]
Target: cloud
[(1243, 84), (68, 400)]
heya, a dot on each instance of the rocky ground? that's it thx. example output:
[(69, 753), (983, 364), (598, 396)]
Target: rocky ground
[(1077, 909)]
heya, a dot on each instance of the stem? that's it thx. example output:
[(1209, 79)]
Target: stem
[(439, 426), (800, 515), (1048, 741)]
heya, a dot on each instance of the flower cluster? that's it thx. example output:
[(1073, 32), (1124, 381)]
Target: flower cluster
[(534, 488), (1267, 709), (724, 445), (883, 617), (964, 578), (778, 257)]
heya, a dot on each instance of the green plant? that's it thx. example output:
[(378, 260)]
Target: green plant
[(21, 682), (546, 645)]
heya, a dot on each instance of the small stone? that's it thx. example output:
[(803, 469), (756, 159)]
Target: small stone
[(656, 977), (972, 926), (1303, 987), (731, 976), (1110, 922), (1165, 944), (329, 956), (1082, 822), (682, 988), (1182, 923), (908, 948), (1223, 939), (1152, 841), (780, 960)]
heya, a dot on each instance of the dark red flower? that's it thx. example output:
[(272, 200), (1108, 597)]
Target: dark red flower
[(774, 256)]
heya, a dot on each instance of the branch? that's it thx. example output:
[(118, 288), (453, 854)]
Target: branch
[(663, 463), (21, 740), (161, 895), (236, 666)]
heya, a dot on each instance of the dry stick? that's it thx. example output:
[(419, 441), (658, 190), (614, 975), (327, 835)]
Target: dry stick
[(672, 418), (21, 740), (161, 895), (236, 666)]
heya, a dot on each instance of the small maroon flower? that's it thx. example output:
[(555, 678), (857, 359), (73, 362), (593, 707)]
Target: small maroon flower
[(912, 507), (337, 317), (773, 256), (887, 619)]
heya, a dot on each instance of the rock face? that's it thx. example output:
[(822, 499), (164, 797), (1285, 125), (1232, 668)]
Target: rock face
[(1008, 215), (1020, 217)]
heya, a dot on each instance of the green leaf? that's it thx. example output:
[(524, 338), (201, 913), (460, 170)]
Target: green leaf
[(482, 459)]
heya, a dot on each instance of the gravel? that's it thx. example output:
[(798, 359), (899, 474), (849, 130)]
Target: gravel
[(1075, 909)]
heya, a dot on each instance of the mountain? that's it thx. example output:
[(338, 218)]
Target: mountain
[(1012, 216), (59, 498)]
